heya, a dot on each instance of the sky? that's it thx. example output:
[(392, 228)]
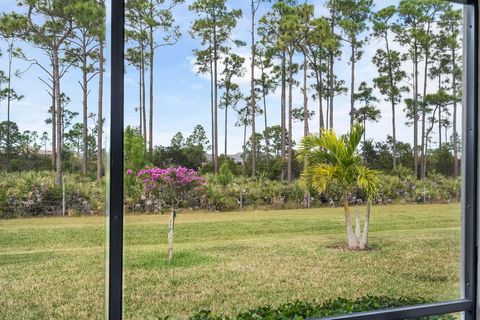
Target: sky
[(182, 97)]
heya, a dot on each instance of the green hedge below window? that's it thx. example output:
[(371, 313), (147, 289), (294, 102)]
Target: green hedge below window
[(304, 310)]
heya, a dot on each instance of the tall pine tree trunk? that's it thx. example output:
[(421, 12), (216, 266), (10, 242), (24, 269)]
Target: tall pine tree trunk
[(331, 77), (321, 123), (305, 96), (455, 138), (352, 87), (244, 154), (283, 108), (9, 101), (226, 127), (100, 114), (267, 138), (85, 109), (144, 110), (215, 92), (54, 127), (306, 195), (150, 119), (439, 114), (415, 110), (290, 110), (140, 113), (252, 93), (56, 76), (392, 101), (424, 119), (212, 106)]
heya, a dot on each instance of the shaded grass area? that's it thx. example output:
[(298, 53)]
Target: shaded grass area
[(227, 262)]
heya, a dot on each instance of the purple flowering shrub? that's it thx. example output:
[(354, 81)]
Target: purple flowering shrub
[(173, 187)]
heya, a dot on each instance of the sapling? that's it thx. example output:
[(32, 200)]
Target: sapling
[(173, 186)]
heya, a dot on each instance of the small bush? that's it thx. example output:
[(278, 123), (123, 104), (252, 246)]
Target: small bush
[(303, 310), (31, 193)]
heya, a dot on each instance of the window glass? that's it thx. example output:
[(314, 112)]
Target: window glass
[(237, 186), (52, 185), (337, 180)]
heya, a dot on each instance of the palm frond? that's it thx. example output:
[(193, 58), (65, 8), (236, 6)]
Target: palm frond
[(354, 138), (318, 176), (367, 179), (307, 146)]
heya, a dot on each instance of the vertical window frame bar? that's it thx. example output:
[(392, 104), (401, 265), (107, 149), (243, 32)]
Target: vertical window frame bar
[(115, 213), (469, 161)]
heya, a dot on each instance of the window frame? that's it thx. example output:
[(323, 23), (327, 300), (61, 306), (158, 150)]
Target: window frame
[(469, 264)]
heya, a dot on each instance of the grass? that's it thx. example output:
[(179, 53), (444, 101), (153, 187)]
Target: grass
[(53, 268)]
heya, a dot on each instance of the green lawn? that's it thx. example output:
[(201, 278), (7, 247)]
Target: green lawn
[(53, 268)]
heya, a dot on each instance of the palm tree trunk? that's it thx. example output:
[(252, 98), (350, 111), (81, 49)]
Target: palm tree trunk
[(171, 228), (352, 243), (364, 240), (358, 232)]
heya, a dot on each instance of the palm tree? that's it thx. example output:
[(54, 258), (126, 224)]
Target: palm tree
[(327, 158)]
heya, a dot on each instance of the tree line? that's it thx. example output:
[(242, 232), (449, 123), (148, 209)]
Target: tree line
[(69, 34), (292, 49)]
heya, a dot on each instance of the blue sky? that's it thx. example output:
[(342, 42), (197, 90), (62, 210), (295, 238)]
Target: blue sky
[(182, 98)]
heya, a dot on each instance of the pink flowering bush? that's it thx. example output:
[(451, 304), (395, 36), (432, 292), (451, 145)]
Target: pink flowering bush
[(174, 186)]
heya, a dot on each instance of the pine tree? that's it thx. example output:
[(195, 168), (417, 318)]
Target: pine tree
[(390, 73), (158, 19), (231, 91), (213, 27), (354, 15), (84, 55), (450, 24)]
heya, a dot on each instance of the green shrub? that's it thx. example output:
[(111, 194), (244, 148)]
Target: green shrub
[(303, 310), (31, 193)]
